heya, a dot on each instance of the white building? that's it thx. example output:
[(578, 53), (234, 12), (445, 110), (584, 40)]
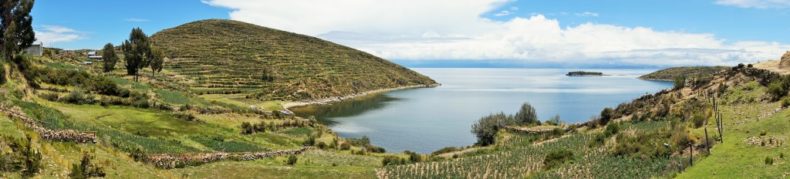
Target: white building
[(35, 49)]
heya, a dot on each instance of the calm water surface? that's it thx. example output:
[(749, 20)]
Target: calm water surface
[(428, 119)]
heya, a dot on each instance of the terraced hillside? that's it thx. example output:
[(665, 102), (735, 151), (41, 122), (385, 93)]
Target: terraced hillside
[(231, 57)]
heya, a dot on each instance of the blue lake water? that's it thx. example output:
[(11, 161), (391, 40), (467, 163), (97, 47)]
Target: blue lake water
[(428, 119)]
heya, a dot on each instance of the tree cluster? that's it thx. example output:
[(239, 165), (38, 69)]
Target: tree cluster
[(487, 127), (139, 54), (16, 26)]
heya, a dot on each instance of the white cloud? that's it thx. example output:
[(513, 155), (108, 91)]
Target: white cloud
[(455, 29), (52, 34), (503, 13), (755, 3), (133, 19), (587, 14)]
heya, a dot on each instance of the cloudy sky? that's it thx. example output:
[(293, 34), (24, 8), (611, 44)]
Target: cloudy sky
[(645, 32)]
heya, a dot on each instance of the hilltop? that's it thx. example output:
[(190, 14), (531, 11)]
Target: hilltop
[(232, 57), (671, 74)]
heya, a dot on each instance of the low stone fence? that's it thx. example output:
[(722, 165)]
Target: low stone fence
[(169, 161), (49, 134)]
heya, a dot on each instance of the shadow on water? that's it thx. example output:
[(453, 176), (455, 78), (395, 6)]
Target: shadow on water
[(349, 108)]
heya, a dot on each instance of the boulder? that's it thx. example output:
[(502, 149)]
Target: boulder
[(785, 61)]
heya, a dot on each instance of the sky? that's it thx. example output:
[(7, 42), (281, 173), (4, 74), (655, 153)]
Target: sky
[(640, 33)]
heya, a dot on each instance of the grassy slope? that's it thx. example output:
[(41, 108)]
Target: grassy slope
[(670, 74), (735, 157), (223, 56), (157, 131)]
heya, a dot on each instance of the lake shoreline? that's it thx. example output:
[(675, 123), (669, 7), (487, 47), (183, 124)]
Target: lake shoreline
[(330, 100)]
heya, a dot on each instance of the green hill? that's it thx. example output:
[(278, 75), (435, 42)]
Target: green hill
[(231, 57), (670, 74)]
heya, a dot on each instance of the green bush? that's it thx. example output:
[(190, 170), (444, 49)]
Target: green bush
[(554, 121), (392, 160), (189, 117), (786, 103), (345, 146), (85, 169), (606, 115), (611, 129), (102, 85), (527, 115), (779, 88), (23, 157), (556, 158), (78, 97), (487, 127), (769, 160), (292, 160), (680, 82), (375, 149), (413, 156)]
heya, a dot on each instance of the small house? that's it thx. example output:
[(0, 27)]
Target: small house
[(93, 56), (35, 49)]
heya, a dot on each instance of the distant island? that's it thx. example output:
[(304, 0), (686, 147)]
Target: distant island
[(584, 73), (671, 74)]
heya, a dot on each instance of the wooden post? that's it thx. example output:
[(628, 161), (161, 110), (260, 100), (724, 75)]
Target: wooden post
[(707, 143), (691, 154)]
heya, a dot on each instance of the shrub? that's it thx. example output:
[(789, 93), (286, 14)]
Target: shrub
[(106, 86), (413, 156), (527, 115), (21, 157), (321, 145), (345, 146), (85, 169), (698, 120), (246, 128), (375, 149), (189, 117), (292, 160), (310, 141), (554, 120), (611, 129), (786, 103), (49, 96), (78, 97), (392, 160), (779, 88), (680, 82), (606, 116), (556, 158), (362, 141), (487, 127), (769, 160)]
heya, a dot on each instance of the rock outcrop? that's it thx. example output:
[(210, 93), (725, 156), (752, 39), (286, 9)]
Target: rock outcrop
[(785, 61)]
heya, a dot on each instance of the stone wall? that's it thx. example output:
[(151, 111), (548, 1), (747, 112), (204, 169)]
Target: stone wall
[(169, 161), (49, 134)]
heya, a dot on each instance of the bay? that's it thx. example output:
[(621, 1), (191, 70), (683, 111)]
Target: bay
[(428, 119)]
